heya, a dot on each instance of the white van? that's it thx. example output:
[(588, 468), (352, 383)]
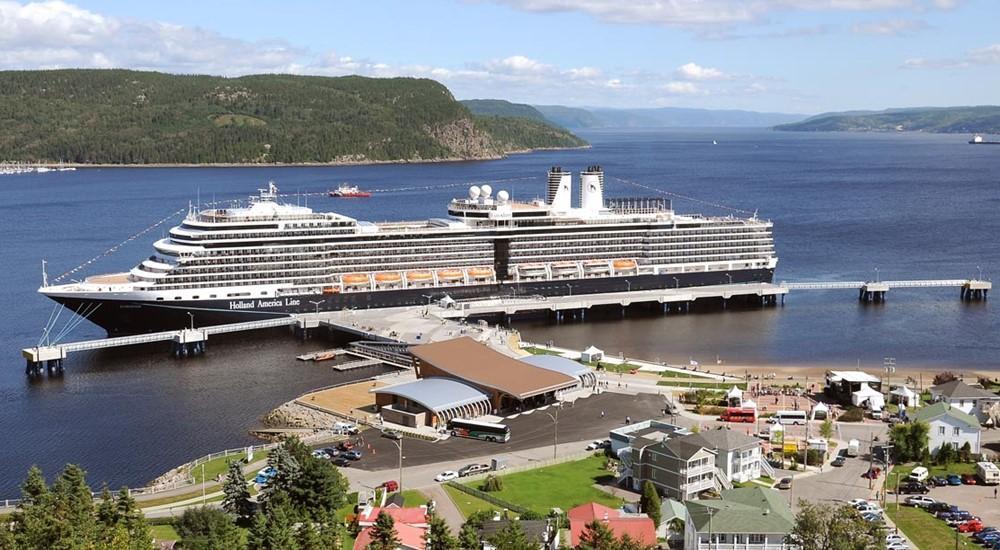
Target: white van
[(853, 446), (918, 474), (988, 473), (790, 417)]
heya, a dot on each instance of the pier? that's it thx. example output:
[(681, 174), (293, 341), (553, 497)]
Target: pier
[(875, 291)]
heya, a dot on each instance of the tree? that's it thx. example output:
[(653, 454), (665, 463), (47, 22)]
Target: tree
[(945, 454), (827, 527), (649, 503), (826, 429), (511, 537), (493, 484), (965, 453), (944, 377), (468, 537), (237, 499), (205, 528), (909, 440), (383, 533), (676, 525), (309, 485), (438, 535), (596, 536)]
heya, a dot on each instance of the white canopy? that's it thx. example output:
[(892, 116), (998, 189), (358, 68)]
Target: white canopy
[(873, 397), (905, 396), (749, 404), (822, 409), (591, 354), (734, 393)]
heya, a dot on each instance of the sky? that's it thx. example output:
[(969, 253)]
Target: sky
[(797, 56)]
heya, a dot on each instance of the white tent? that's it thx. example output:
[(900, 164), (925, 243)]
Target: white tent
[(905, 396), (867, 396), (734, 397), (591, 355), (749, 404), (820, 412)]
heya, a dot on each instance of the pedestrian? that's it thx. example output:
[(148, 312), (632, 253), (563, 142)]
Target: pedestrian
[(994, 493), (602, 414)]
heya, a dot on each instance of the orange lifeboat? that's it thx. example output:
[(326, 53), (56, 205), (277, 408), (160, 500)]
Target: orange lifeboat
[(419, 276), (480, 272), (450, 275), (387, 277), (356, 279), (623, 265), (330, 290)]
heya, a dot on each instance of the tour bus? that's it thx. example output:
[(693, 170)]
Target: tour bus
[(737, 414), (474, 429), (790, 417), (988, 473)]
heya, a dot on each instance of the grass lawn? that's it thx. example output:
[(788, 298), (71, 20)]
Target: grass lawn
[(466, 503), (413, 498), (215, 467), (934, 470), (923, 529), (540, 351), (702, 385), (563, 485), (164, 532)]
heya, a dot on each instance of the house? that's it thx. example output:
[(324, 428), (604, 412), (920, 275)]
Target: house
[(680, 468), (410, 523), (541, 533), (670, 510), (968, 399), (637, 526), (738, 455), (949, 425), (410, 538), (841, 385), (751, 518)]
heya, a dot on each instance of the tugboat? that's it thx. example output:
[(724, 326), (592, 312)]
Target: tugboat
[(346, 191), (978, 140)]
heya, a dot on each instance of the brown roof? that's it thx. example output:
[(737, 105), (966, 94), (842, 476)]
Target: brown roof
[(477, 364)]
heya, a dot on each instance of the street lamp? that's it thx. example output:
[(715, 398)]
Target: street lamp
[(628, 285), (730, 278), (555, 430), (677, 282), (570, 287), (876, 275), (191, 315), (317, 304), (399, 445)]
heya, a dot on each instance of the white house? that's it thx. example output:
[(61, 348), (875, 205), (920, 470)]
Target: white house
[(968, 399), (949, 426), (738, 455)]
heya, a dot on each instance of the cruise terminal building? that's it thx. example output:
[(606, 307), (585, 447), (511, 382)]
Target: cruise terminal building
[(463, 378)]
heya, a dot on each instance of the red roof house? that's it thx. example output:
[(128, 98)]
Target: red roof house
[(637, 526), (410, 538)]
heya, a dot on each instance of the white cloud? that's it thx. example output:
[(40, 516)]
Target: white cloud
[(890, 27), (710, 12), (693, 71), (990, 55), (681, 88), (614, 83)]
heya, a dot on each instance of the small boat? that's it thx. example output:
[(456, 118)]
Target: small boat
[(356, 279), (346, 191), (565, 267), (480, 272), (388, 278), (450, 275), (623, 265), (532, 270), (417, 277), (595, 266), (330, 290), (325, 356)]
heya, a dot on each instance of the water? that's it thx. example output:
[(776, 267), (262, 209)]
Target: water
[(915, 206)]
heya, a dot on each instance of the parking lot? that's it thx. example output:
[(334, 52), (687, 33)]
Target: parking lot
[(976, 499)]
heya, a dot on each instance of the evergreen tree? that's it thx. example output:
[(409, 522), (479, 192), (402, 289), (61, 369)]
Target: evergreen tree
[(309, 485), (107, 512), (438, 536), (649, 503), (205, 528), (383, 533), (511, 537), (237, 496), (468, 537), (257, 537), (596, 536), (330, 531), (308, 537), (73, 508), (280, 533)]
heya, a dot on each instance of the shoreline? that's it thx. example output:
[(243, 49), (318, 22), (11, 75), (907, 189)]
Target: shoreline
[(339, 163)]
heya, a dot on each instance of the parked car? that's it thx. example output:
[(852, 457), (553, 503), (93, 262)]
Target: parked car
[(968, 479), (872, 473), (941, 506), (918, 474), (346, 428), (971, 526), (839, 461), (919, 501), (473, 469), (868, 508), (345, 445), (392, 434), (341, 462), (593, 445), (938, 481), (913, 487), (897, 546), (893, 538), (872, 517), (446, 476), (352, 455), (856, 502), (958, 519), (988, 535), (392, 485), (320, 453), (784, 483), (954, 479), (331, 452), (264, 475)]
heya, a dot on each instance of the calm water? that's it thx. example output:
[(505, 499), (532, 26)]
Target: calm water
[(914, 206)]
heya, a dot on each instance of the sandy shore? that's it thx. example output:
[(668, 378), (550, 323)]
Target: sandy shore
[(921, 377)]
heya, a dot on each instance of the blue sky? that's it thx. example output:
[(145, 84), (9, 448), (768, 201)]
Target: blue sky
[(804, 56)]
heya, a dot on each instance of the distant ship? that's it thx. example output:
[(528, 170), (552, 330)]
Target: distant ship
[(978, 140), (270, 259), (346, 191)]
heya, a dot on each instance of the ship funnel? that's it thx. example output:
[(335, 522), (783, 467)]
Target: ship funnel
[(592, 189), (560, 190)]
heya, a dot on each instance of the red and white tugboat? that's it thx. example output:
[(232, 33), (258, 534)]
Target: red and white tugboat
[(346, 191)]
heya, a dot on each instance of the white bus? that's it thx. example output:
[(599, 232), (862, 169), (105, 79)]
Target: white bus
[(790, 417), (988, 473)]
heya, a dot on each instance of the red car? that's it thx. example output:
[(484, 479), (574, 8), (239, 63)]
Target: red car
[(971, 526), (872, 473), (392, 486), (968, 479)]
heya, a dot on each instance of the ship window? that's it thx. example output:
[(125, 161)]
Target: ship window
[(194, 297), (263, 293), (160, 299), (211, 296), (177, 297)]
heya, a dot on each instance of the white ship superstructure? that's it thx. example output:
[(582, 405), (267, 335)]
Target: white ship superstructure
[(269, 258)]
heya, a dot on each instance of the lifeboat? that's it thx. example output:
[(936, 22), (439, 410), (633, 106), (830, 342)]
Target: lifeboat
[(417, 277), (387, 278), (450, 275), (356, 279), (564, 267), (330, 290), (595, 266), (624, 265), (480, 272)]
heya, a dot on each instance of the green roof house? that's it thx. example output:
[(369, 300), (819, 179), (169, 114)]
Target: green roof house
[(949, 425), (749, 518)]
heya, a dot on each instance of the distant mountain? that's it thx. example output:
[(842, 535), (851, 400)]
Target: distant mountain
[(663, 117), (501, 107), (983, 119), (134, 117)]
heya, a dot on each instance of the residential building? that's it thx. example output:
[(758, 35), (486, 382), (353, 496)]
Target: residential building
[(646, 431), (410, 524), (751, 518), (949, 425), (738, 455), (637, 526), (680, 468), (968, 399), (841, 385), (541, 533)]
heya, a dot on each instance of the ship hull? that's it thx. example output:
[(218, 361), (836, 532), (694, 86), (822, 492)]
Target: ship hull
[(123, 316)]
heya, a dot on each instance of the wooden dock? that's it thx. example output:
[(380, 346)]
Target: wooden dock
[(322, 355), (356, 364)]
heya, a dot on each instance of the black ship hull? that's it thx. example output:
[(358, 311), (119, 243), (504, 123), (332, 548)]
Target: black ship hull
[(124, 317)]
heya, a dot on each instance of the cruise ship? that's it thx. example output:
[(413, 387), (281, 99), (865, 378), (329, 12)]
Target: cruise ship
[(267, 259)]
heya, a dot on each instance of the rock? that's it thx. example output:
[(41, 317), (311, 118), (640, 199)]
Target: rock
[(295, 415)]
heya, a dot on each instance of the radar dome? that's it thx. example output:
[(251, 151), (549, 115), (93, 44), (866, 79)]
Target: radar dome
[(503, 196), (474, 192), (487, 191)]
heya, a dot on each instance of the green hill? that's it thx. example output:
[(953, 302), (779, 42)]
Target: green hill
[(132, 117), (501, 107), (947, 120)]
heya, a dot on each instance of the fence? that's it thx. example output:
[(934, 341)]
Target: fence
[(481, 495)]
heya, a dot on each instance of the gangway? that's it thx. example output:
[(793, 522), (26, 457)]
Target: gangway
[(971, 289)]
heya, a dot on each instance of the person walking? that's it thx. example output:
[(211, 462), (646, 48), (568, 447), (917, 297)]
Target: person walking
[(602, 414)]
